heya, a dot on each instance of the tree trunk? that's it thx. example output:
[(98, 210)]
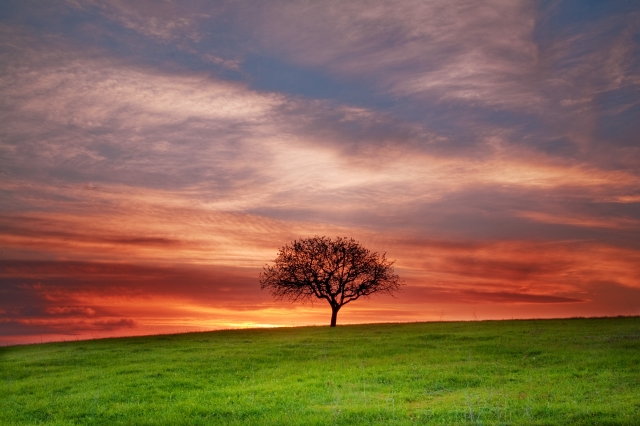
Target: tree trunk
[(334, 315)]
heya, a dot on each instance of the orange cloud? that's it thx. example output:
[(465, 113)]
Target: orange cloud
[(586, 221)]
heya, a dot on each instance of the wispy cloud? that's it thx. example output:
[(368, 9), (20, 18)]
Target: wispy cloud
[(474, 52), (165, 21), (614, 222)]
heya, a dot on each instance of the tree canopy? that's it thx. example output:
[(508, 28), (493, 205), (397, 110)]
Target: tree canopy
[(339, 271)]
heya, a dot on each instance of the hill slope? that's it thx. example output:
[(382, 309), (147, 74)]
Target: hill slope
[(577, 371)]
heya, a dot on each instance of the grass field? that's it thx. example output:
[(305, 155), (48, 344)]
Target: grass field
[(576, 371)]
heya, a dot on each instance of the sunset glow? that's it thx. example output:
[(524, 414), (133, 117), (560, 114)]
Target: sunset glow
[(155, 155)]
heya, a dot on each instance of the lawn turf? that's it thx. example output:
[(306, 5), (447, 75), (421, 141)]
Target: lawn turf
[(530, 372)]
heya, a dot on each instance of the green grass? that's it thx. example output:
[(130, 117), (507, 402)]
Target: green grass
[(538, 372)]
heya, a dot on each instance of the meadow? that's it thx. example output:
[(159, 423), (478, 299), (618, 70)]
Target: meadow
[(529, 372)]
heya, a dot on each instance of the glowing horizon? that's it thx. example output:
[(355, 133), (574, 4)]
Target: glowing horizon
[(154, 156)]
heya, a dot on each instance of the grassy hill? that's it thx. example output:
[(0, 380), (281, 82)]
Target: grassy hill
[(577, 371)]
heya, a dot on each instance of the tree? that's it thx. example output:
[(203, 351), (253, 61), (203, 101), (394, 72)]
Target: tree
[(339, 271)]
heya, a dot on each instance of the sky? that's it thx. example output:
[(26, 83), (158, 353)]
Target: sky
[(155, 155)]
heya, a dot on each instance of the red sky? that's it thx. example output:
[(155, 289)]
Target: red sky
[(154, 157)]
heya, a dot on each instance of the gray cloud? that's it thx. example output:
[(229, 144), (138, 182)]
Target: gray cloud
[(478, 53)]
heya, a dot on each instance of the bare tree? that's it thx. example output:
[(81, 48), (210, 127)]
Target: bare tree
[(339, 271)]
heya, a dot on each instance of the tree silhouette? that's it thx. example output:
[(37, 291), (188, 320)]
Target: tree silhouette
[(339, 271)]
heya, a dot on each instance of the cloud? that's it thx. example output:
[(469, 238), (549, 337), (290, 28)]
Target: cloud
[(25, 326), (474, 52), (541, 66), (585, 221), (150, 168), (562, 268), (71, 310), (477, 53), (553, 82), (441, 295), (83, 296), (164, 21), (140, 127)]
